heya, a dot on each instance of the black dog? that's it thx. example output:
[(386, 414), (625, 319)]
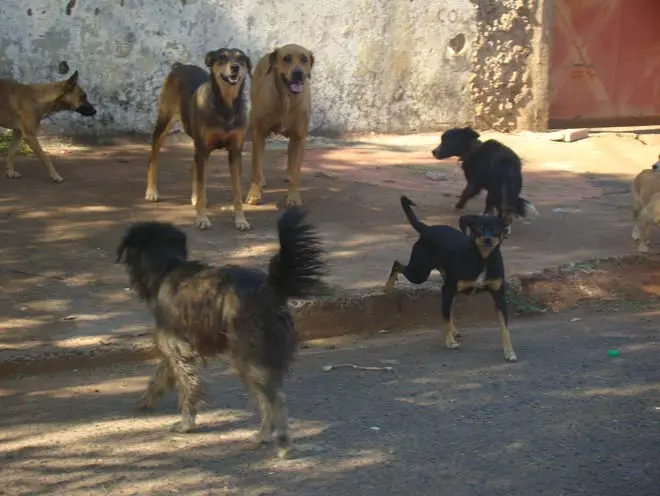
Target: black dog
[(201, 311), (468, 263), (490, 166)]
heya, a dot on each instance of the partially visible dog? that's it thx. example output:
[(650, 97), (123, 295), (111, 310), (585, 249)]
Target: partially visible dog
[(281, 97), (24, 106), (211, 108), (470, 261), (646, 205), (201, 310), (490, 166)]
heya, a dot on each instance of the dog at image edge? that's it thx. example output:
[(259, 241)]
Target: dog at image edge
[(24, 106), (645, 204), (469, 260), (201, 310), (490, 166)]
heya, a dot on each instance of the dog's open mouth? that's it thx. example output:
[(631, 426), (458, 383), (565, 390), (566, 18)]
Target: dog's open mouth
[(231, 79), (293, 86)]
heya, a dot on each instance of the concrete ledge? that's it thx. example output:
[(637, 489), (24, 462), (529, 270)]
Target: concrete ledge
[(349, 313)]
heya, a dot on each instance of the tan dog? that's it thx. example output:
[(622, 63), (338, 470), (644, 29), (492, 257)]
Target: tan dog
[(281, 103), (646, 205), (23, 107), (212, 110)]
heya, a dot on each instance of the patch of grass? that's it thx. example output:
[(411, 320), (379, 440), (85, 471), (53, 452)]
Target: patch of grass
[(5, 140)]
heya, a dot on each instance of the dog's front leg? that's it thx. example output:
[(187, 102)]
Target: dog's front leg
[(257, 181), (32, 142), (16, 138), (450, 333), (470, 191), (294, 164), (201, 157), (503, 320), (235, 166)]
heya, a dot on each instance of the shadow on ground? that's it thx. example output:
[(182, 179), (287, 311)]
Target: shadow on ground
[(567, 419)]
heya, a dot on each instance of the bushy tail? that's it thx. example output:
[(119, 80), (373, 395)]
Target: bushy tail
[(406, 204), (298, 267), (527, 208)]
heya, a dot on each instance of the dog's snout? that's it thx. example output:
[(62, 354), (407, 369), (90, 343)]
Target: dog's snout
[(235, 68), (488, 242), (297, 75)]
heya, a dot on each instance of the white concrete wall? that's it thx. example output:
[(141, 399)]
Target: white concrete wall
[(381, 65)]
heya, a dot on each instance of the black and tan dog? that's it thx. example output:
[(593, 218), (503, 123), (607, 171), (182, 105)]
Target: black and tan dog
[(24, 106), (211, 108), (645, 205), (490, 166), (469, 263), (201, 311), (281, 98)]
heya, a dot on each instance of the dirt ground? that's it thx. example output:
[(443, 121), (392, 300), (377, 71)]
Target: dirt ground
[(60, 287)]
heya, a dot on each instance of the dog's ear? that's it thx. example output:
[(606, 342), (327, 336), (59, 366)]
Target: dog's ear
[(311, 65), (210, 57), (471, 133), (72, 82), (466, 222), (248, 62), (272, 60)]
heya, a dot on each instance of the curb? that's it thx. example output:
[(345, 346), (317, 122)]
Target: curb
[(350, 313)]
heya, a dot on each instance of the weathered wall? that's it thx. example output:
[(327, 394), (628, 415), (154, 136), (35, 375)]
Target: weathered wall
[(509, 84), (381, 65)]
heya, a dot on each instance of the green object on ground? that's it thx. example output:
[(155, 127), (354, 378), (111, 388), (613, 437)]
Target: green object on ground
[(613, 353)]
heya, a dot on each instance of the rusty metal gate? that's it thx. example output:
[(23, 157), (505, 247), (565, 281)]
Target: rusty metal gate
[(605, 64)]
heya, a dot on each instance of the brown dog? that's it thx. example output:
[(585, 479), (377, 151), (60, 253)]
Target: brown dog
[(646, 205), (23, 106), (281, 103), (211, 108)]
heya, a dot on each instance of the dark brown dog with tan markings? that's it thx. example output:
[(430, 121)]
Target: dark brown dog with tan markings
[(211, 108), (24, 106), (281, 103)]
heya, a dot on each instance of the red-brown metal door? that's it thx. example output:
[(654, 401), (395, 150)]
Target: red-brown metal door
[(605, 65)]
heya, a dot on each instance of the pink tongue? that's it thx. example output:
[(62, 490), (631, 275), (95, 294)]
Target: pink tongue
[(295, 87)]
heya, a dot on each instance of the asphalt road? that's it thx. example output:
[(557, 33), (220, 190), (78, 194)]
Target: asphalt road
[(567, 419)]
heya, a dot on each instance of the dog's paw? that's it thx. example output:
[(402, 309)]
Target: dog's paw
[(143, 406), (510, 357), (643, 248), (452, 345), (293, 200), (182, 427), (12, 174), (241, 223), (151, 195), (254, 196), (203, 222), (458, 206), (261, 439), (56, 178), (635, 234)]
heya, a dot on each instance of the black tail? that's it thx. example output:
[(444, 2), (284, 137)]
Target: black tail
[(298, 267), (406, 203)]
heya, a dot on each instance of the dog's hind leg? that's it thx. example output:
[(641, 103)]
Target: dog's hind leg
[(417, 271), (450, 332), (235, 166), (16, 138), (161, 382), (503, 320), (163, 124), (184, 364)]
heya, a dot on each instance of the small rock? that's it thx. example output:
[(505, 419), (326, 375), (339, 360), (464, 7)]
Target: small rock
[(328, 174), (435, 176)]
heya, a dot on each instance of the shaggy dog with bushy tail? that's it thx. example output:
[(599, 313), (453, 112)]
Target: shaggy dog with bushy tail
[(201, 310)]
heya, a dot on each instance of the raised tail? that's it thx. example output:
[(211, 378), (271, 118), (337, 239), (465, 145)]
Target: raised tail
[(298, 267), (406, 204)]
